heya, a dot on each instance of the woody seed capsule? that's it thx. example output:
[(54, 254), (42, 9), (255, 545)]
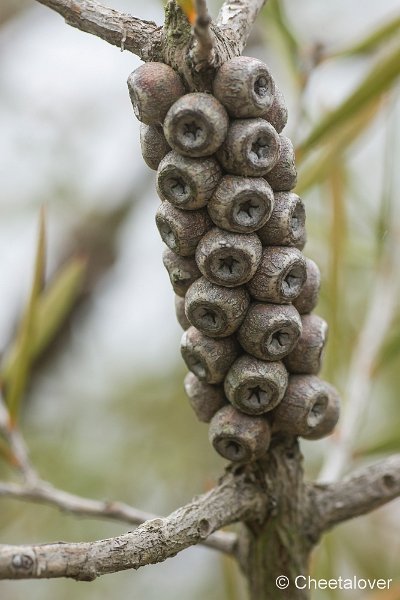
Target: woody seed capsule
[(283, 176), (286, 225), (327, 424), (205, 399), (280, 276), (182, 271), (241, 204), (245, 87), (239, 437), (308, 297), (251, 148), (270, 331), (306, 357), (208, 358), (228, 259), (310, 408), (187, 183), (153, 89), (153, 144), (215, 310), (196, 125), (255, 386), (277, 114), (181, 230), (180, 313)]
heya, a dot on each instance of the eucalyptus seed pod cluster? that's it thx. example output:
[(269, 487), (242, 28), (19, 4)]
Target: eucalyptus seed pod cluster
[(234, 232)]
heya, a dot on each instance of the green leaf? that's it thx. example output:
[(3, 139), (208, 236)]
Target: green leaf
[(320, 168), (53, 306), (24, 342), (275, 14), (377, 81), (372, 41)]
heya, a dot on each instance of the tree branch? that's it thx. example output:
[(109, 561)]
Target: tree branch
[(236, 498), (44, 493), (360, 493), (236, 19), (120, 29)]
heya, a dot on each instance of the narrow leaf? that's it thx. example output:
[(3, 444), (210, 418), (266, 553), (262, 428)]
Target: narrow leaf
[(24, 342), (338, 143), (372, 41), (378, 80), (54, 305)]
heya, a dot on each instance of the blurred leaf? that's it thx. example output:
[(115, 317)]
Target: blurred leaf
[(53, 306), (189, 8), (340, 140), (275, 14), (372, 41), (377, 81), (5, 453), (389, 445), (338, 240), (24, 341), (390, 350)]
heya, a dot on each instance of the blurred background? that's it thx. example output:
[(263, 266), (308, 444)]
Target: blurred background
[(104, 413)]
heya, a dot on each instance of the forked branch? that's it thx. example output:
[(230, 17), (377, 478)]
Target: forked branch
[(237, 498), (44, 493)]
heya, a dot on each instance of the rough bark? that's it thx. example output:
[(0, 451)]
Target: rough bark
[(282, 545), (237, 498)]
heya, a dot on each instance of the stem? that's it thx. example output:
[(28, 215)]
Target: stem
[(282, 546)]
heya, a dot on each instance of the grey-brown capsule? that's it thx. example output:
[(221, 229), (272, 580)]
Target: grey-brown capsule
[(245, 86), (187, 183), (196, 125), (208, 358), (182, 271), (255, 386), (181, 230), (251, 148), (306, 357), (310, 408), (153, 89), (280, 276), (328, 422), (239, 437), (241, 204), (205, 399), (228, 259), (153, 144), (215, 310), (277, 113), (308, 297), (283, 176), (270, 331), (180, 313), (287, 223)]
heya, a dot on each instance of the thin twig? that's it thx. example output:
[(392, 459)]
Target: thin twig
[(44, 493), (360, 493), (377, 323), (236, 498), (203, 53)]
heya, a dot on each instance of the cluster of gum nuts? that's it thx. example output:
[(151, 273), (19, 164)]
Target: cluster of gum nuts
[(234, 232)]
